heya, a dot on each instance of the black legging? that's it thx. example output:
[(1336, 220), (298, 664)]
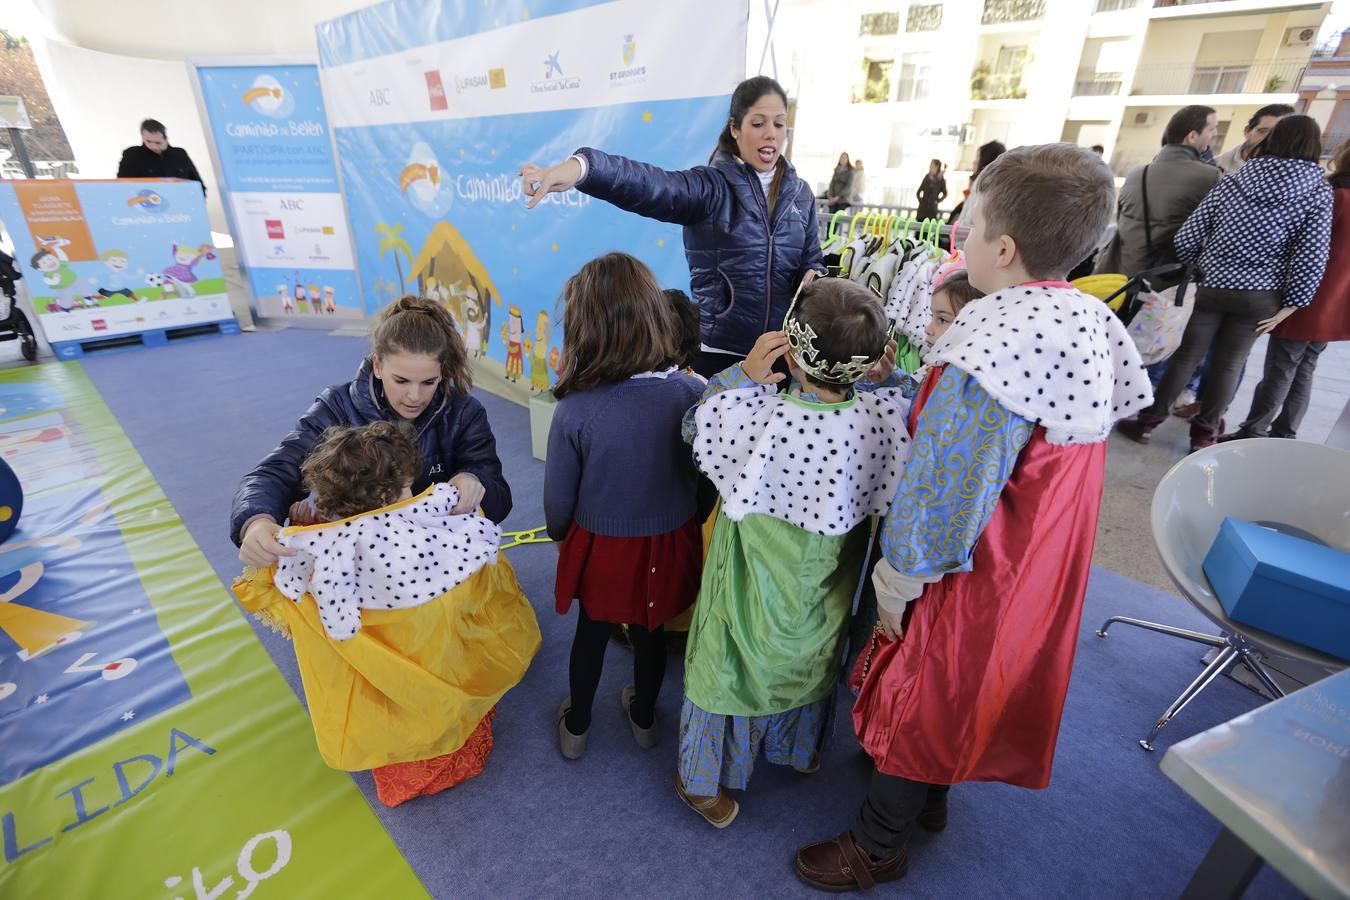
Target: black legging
[(588, 660)]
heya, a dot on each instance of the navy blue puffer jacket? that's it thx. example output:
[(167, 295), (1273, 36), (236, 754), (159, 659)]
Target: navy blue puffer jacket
[(453, 436), (744, 266)]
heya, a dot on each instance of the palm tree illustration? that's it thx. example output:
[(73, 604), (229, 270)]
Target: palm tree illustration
[(391, 240)]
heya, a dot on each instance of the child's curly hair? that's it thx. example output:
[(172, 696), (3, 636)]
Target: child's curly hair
[(357, 468)]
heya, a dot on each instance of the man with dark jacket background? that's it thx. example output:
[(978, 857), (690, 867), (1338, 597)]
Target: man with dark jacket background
[(154, 158), (1178, 179)]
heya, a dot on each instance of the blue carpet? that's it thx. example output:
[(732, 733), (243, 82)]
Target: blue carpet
[(1111, 824)]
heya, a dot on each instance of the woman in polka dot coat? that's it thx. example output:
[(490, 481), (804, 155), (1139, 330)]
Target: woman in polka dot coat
[(1260, 239)]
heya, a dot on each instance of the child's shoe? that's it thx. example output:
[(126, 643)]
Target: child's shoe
[(720, 811), (573, 746), (645, 737), (933, 816)]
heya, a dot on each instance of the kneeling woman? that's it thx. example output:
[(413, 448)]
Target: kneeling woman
[(408, 624)]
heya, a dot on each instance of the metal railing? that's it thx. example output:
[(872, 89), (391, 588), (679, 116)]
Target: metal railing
[(1243, 77), (1332, 140), (881, 23), (924, 18), (1117, 5), (997, 12), (1097, 84), (997, 87)]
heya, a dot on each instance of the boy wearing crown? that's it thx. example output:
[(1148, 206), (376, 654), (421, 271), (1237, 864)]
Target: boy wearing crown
[(988, 544), (800, 474)]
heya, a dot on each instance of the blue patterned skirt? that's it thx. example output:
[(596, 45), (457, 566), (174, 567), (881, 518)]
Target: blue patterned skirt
[(721, 750)]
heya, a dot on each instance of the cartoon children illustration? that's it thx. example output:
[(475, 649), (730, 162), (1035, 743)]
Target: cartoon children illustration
[(284, 295), (473, 324), (537, 350), (61, 278), (185, 260), (115, 280), (315, 299), (329, 301), (513, 335), (301, 302)]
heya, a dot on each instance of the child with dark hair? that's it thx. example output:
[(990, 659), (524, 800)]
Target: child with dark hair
[(408, 624), (620, 488), (800, 474), (988, 541), (687, 338)]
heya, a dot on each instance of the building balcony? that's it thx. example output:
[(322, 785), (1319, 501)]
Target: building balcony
[(1197, 7), (1104, 6), (1248, 77), (1097, 84), (1332, 141), (999, 12), (989, 86)]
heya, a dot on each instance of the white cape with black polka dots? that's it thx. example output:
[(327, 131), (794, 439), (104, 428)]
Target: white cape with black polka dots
[(910, 304), (396, 557), (1050, 354), (822, 467)]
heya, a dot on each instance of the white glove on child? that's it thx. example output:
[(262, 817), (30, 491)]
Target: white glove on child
[(895, 592)]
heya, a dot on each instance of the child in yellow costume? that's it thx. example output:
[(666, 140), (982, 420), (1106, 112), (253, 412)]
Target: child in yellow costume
[(408, 623)]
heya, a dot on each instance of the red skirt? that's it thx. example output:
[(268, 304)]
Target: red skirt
[(401, 782), (630, 580)]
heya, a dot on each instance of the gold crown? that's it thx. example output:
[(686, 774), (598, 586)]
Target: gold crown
[(801, 339)]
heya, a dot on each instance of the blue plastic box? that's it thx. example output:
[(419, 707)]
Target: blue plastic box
[(1297, 589)]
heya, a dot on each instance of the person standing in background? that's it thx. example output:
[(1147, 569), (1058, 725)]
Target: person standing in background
[(858, 183), (932, 190), (1258, 126), (840, 191), (154, 158)]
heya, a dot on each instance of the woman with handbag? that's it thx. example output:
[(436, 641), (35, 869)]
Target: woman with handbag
[(1260, 240), (1282, 397)]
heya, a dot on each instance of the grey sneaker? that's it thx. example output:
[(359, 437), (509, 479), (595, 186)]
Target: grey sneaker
[(573, 746), (645, 737)]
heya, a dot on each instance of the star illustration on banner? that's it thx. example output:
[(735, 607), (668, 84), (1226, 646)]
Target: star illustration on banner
[(647, 116), (525, 14), (555, 248), (128, 715), (40, 698), (660, 242)]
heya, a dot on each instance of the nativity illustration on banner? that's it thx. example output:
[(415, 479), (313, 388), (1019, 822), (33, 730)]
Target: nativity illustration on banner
[(434, 115)]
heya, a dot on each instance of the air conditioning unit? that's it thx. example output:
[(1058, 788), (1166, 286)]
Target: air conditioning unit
[(1300, 37), (1145, 118)]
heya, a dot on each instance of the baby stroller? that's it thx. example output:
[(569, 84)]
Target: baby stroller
[(14, 324), (1124, 295)]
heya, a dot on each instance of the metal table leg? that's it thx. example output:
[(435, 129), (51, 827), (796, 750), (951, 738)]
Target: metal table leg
[(1225, 872)]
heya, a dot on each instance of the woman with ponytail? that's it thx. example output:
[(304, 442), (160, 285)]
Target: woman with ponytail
[(749, 220), (417, 372)]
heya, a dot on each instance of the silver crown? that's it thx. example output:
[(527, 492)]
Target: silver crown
[(801, 339)]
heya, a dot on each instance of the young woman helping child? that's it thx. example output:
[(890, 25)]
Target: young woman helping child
[(620, 487), (408, 624), (800, 474)]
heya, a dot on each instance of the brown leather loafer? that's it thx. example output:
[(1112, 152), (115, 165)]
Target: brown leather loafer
[(839, 864), (720, 811)]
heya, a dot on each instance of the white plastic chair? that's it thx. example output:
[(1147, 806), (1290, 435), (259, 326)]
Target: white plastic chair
[(1295, 487)]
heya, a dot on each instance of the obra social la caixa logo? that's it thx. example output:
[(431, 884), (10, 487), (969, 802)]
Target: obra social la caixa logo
[(148, 199), (555, 79)]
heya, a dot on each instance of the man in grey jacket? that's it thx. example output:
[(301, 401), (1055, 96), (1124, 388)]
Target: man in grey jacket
[(1177, 181)]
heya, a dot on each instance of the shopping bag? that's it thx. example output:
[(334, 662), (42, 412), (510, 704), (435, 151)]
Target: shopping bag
[(1160, 322)]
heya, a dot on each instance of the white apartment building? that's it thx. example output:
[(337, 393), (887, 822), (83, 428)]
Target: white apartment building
[(899, 83)]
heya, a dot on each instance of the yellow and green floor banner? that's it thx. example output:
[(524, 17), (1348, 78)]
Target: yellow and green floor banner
[(148, 745)]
